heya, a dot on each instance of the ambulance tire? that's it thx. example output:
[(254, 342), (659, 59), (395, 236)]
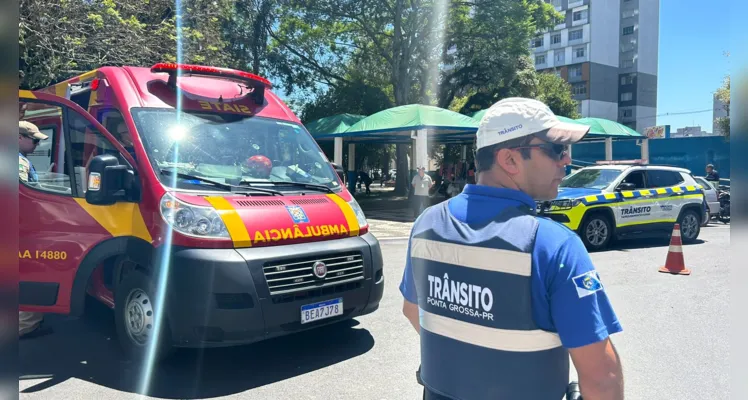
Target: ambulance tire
[(599, 222), (134, 316), (691, 232)]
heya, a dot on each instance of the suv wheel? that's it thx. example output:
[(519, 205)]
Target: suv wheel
[(690, 226), (596, 231), (135, 318)]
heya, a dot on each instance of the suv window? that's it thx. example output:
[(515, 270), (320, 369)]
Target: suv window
[(637, 178), (663, 178)]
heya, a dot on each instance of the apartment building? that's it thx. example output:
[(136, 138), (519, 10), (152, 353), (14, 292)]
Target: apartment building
[(607, 50)]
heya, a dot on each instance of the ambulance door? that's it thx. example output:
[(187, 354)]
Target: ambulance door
[(57, 228)]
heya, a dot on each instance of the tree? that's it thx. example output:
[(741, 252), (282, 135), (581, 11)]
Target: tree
[(488, 49), (61, 39), (723, 95), (400, 45), (556, 93)]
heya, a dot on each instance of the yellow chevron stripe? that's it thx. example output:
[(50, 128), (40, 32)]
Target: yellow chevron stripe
[(119, 219), (232, 220), (350, 215)]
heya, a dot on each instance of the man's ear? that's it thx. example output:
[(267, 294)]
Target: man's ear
[(507, 160)]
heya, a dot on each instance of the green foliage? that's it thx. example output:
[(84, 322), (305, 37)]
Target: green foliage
[(556, 93), (723, 94), (58, 40)]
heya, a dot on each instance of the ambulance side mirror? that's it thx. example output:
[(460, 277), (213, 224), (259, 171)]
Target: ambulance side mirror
[(108, 181), (339, 170)]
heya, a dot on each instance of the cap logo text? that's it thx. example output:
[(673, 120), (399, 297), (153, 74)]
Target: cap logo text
[(510, 129)]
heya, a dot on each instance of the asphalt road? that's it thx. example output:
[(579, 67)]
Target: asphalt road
[(674, 345)]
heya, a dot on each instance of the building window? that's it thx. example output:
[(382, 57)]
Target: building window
[(579, 89), (575, 35), (556, 39), (628, 96), (626, 113), (580, 52), (629, 13), (557, 3), (559, 57), (628, 30), (628, 79), (575, 71), (628, 63), (540, 59), (579, 15), (537, 42)]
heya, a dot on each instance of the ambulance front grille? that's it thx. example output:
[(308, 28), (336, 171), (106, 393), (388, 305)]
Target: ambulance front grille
[(259, 203), (295, 275)]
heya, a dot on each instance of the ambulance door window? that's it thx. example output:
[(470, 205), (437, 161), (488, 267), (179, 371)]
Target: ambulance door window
[(114, 122), (42, 163), (87, 142)]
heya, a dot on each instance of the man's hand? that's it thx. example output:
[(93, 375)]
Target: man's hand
[(599, 370), (410, 311)]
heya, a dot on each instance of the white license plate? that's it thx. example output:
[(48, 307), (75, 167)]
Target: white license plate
[(322, 310)]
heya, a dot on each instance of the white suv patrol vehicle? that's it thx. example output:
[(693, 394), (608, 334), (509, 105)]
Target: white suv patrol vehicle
[(614, 201)]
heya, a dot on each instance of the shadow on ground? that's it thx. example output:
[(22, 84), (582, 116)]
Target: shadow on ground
[(86, 349)]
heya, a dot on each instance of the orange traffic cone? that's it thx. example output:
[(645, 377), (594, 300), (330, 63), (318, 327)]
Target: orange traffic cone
[(674, 263)]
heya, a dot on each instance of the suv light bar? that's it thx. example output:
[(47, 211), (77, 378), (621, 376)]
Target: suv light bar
[(622, 162), (256, 82)]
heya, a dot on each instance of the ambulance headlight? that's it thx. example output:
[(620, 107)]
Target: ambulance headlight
[(192, 220), (359, 213)]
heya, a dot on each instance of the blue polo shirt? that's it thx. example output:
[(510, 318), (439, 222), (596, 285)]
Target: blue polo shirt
[(568, 296)]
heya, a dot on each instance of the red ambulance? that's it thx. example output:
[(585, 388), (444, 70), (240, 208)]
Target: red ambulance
[(193, 202)]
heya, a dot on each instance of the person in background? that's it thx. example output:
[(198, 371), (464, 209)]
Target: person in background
[(421, 184), (712, 175), (29, 137)]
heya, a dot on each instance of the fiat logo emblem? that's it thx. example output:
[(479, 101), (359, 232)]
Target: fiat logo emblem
[(319, 269)]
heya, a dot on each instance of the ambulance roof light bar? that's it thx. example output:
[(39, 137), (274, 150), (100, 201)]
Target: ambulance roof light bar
[(256, 82)]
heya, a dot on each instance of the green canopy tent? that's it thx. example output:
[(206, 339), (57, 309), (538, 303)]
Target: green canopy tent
[(396, 125), (603, 128), (333, 124)]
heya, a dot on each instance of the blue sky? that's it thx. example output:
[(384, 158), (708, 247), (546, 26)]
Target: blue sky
[(693, 36)]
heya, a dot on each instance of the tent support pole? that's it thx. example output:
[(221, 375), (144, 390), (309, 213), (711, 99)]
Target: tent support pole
[(338, 154), (645, 150), (608, 149)]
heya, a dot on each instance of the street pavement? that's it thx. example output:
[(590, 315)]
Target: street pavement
[(674, 344)]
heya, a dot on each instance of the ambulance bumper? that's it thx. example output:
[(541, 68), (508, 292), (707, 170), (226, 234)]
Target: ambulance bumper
[(226, 297)]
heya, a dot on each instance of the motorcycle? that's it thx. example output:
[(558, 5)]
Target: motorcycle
[(724, 204)]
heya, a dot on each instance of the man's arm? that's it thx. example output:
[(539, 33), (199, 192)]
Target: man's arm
[(599, 369), (410, 296), (410, 311), (584, 319)]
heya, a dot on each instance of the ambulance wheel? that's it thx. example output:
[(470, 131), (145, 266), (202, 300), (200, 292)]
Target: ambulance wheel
[(135, 318), (596, 231), (689, 226)]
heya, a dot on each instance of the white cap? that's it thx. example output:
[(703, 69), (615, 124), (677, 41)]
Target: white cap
[(516, 117)]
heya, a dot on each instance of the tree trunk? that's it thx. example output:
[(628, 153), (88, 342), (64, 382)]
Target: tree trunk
[(403, 174)]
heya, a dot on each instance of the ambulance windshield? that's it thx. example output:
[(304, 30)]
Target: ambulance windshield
[(231, 149), (591, 179)]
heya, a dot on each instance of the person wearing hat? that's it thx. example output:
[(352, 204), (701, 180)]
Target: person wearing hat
[(501, 297), (421, 184), (29, 137)]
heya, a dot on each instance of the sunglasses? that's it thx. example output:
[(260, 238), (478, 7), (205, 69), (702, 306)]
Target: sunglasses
[(36, 141), (555, 151)]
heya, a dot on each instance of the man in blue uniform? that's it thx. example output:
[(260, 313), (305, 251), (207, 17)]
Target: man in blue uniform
[(500, 296)]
